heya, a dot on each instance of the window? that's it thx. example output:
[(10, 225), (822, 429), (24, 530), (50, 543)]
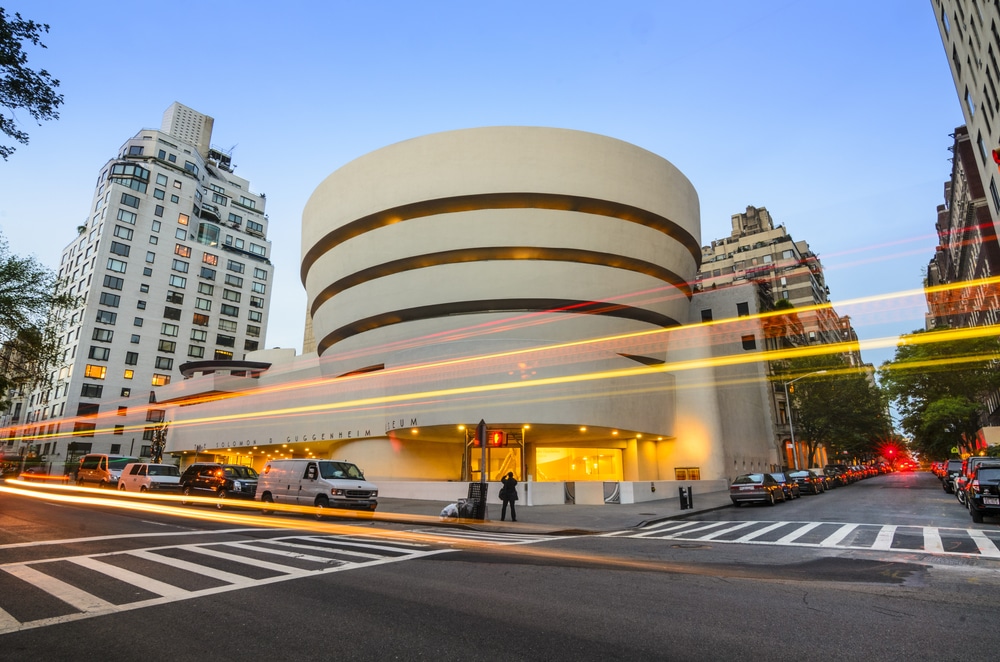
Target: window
[(158, 211), (223, 355), (174, 199), (207, 274), (131, 358), (178, 281), (742, 309), (111, 300), (126, 392), (196, 351), (706, 315), (203, 304), (147, 271), (180, 266), (231, 311), (227, 325), (235, 219), (749, 342), (161, 180), (254, 227), (169, 329), (256, 302), (116, 265), (198, 335), (250, 345), (180, 233), (91, 391), (120, 249), (231, 295), (122, 411), (255, 316), (103, 335), (253, 331), (163, 363), (190, 167), (182, 219), (128, 374), (233, 265), (123, 232), (208, 258), (259, 274), (137, 321), (206, 288), (175, 297), (144, 288), (182, 250), (134, 150), (208, 234), (119, 429), (257, 250), (200, 320), (225, 341), (235, 281), (125, 216), (130, 201), (258, 288), (95, 371), (153, 239), (219, 199), (247, 202), (99, 353), (160, 380), (171, 313), (135, 339), (159, 193), (106, 317), (114, 282)]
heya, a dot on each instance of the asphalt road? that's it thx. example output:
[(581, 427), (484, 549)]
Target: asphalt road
[(81, 582)]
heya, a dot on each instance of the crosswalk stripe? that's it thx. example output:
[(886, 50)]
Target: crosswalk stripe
[(883, 541), (349, 552), (986, 546), (722, 532), (142, 581), (760, 532), (256, 563), (712, 525), (68, 593), (798, 533), (262, 549), (837, 536), (181, 564), (932, 540), (371, 545), (674, 528)]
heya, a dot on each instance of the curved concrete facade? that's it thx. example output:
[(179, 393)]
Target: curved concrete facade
[(466, 228)]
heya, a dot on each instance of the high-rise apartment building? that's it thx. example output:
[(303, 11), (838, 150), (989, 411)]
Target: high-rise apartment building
[(171, 266), (970, 32)]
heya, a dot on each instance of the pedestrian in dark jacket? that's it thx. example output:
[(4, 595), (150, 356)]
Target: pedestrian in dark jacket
[(508, 494)]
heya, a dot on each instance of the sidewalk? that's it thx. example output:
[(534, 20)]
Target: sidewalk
[(568, 519)]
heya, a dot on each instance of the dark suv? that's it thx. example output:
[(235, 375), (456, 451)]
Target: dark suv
[(983, 492), (952, 470), (225, 481)]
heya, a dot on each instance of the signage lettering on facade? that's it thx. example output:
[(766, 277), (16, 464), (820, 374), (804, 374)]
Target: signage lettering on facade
[(399, 423)]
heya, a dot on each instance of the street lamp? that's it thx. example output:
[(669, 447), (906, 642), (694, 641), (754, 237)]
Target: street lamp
[(788, 406)]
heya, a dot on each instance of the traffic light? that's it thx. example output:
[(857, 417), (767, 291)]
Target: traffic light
[(996, 156), (495, 438)]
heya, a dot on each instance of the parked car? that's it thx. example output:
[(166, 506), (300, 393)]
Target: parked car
[(953, 469), (761, 488), (983, 495), (835, 475), (828, 480), (318, 483), (102, 469), (807, 481), (225, 481), (788, 486), (969, 468), (142, 476)]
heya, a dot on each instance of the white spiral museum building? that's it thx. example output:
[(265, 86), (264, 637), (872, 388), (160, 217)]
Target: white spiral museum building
[(535, 278)]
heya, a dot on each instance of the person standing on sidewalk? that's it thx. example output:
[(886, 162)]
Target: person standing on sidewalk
[(508, 494)]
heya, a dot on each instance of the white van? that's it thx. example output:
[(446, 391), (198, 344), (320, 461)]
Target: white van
[(320, 483)]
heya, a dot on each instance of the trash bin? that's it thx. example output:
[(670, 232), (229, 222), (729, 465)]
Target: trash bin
[(477, 500)]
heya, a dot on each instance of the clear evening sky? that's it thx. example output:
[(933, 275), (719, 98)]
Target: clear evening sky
[(834, 115)]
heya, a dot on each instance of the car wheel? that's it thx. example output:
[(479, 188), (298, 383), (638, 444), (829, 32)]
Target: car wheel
[(960, 495), (79, 482), (103, 485), (736, 503), (266, 498), (322, 503), (186, 492), (121, 488), (977, 516), (222, 496), (947, 487), (770, 499)]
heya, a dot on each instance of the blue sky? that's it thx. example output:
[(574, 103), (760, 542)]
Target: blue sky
[(834, 115)]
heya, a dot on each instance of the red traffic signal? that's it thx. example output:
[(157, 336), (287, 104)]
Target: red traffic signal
[(996, 156), (495, 437)]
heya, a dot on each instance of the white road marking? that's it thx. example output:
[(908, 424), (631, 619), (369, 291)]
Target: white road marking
[(142, 581), (883, 541), (68, 593)]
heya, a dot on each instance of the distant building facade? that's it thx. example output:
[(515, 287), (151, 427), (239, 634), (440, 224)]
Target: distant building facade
[(172, 264)]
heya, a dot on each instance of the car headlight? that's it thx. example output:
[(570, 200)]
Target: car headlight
[(236, 485), (374, 493)]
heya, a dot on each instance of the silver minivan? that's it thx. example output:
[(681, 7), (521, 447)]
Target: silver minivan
[(102, 469)]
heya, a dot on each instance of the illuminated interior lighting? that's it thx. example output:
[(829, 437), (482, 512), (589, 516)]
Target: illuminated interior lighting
[(583, 429)]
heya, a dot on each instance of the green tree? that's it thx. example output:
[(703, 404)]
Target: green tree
[(938, 382), (20, 86), (28, 332), (835, 405)]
